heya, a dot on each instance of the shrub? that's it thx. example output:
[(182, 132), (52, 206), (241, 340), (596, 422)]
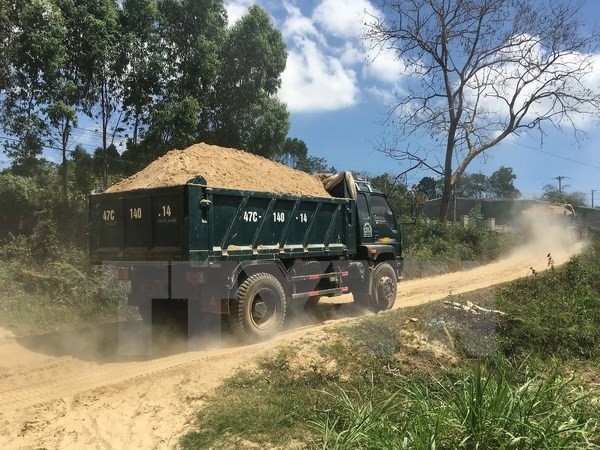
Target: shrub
[(479, 407), (556, 312)]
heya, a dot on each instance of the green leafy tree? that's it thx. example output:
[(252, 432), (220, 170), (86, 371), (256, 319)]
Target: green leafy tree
[(34, 60), (501, 184), (191, 34), (293, 150), (106, 162), (83, 171), (103, 70), (295, 154), (174, 124), (553, 194), (142, 60), (245, 112), (429, 187), (8, 12), (62, 116), (472, 185), (17, 210)]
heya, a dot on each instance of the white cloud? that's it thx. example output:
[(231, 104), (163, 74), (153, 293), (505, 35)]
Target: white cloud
[(313, 81), (344, 18), (352, 55), (297, 25), (236, 9), (386, 96), (385, 65)]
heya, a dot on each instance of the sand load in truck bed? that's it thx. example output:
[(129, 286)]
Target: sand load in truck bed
[(224, 168)]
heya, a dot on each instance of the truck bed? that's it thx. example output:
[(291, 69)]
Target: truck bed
[(202, 224)]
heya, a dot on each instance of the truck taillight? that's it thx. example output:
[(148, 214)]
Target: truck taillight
[(123, 274), (194, 277)]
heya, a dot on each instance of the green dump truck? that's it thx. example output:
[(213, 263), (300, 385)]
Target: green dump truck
[(244, 255)]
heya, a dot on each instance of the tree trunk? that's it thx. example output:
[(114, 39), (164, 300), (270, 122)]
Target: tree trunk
[(445, 202), (104, 122), (65, 142)]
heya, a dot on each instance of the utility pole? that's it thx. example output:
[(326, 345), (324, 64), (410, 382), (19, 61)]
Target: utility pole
[(560, 178), (593, 190)]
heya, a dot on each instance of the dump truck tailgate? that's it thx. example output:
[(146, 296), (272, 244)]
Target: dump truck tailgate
[(149, 224)]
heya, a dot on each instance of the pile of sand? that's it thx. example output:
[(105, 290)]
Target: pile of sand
[(550, 209), (225, 168)]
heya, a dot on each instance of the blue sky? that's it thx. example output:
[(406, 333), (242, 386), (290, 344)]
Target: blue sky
[(337, 92)]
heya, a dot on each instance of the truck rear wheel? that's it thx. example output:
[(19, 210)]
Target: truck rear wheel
[(258, 312)]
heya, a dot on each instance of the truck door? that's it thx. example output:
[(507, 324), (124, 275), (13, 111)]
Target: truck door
[(365, 221), (385, 227)]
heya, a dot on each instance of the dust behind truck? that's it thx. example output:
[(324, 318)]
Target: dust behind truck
[(209, 230)]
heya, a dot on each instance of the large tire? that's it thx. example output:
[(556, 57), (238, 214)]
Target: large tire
[(258, 312), (382, 292), (384, 287)]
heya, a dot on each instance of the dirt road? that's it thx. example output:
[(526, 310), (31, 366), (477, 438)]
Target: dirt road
[(80, 389)]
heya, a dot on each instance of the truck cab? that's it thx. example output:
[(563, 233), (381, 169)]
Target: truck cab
[(378, 231)]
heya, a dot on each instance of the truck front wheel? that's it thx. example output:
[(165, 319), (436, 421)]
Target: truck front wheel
[(382, 291), (258, 311), (384, 288)]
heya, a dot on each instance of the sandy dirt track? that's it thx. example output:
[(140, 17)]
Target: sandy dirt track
[(77, 390)]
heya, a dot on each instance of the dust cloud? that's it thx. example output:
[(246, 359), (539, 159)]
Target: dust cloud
[(548, 230), (79, 388)]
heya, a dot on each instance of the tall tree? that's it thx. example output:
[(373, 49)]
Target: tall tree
[(485, 70), (429, 187), (143, 62), (174, 124), (64, 98), (33, 61), (245, 112), (501, 184), (8, 12), (103, 69), (472, 185), (295, 154), (191, 33)]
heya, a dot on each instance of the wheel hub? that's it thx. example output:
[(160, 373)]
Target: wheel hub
[(386, 288), (260, 309)]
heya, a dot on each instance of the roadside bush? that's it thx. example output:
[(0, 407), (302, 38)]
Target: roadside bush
[(554, 313), (17, 198), (427, 245)]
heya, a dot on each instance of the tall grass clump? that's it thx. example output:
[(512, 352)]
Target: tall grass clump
[(478, 407), (554, 313)]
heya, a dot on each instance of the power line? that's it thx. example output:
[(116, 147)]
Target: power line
[(558, 156), (143, 161)]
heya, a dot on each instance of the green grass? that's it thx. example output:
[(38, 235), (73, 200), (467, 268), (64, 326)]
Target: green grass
[(555, 313), (58, 293), (432, 377), (267, 406), (475, 407)]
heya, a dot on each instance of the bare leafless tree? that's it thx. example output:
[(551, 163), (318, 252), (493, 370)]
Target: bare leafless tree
[(479, 71)]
